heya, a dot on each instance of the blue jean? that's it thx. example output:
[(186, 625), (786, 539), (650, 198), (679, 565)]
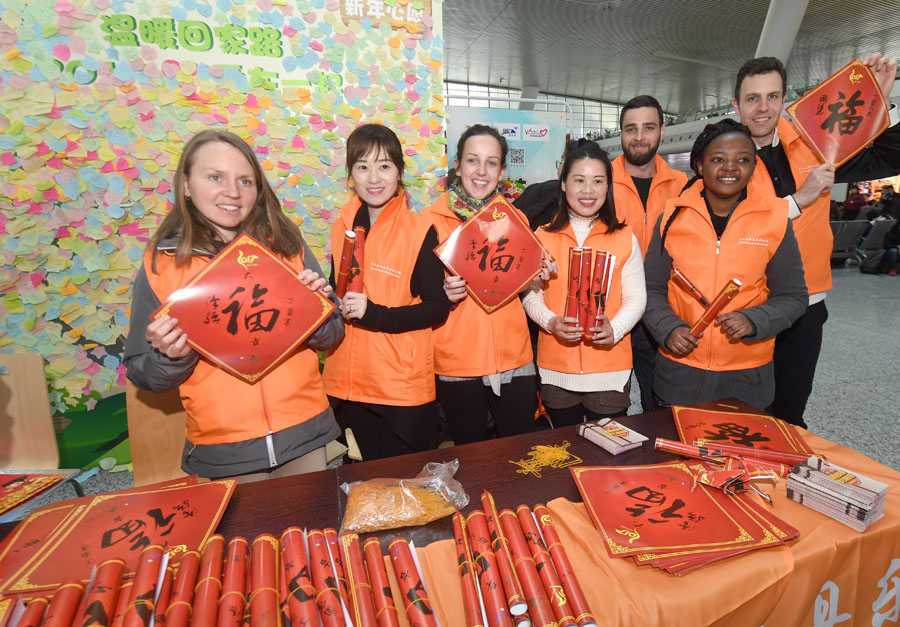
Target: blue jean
[(892, 255)]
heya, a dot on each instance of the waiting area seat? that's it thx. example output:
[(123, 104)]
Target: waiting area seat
[(847, 238), (874, 239)]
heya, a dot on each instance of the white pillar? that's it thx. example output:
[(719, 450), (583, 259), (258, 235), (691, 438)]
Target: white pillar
[(780, 30), (528, 91)]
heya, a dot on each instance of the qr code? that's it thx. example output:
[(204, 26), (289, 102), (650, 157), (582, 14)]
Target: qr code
[(517, 156)]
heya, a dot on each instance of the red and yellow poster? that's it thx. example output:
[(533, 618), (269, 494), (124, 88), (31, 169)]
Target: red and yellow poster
[(496, 252), (843, 114), (247, 311), (744, 429)]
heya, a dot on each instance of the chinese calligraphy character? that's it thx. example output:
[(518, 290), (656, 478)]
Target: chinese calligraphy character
[(651, 498), (231, 38), (738, 434), (263, 320), (499, 263), (159, 31), (375, 9), (886, 607), (195, 36), (118, 29), (265, 42), (825, 610), (846, 120), (354, 8)]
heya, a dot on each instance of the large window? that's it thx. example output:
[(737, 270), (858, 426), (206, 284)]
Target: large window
[(590, 118)]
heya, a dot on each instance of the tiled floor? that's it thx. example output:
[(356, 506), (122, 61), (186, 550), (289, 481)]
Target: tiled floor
[(856, 395)]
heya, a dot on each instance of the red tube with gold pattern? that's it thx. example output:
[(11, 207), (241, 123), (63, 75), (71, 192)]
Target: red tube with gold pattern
[(574, 593), (165, 596), (101, 601), (264, 607), (498, 613), (209, 583), (574, 282), (234, 582), (61, 612), (335, 552), (362, 609), (418, 607), (345, 264), (466, 571), (327, 595), (584, 288), (301, 592), (121, 604), (709, 316), (688, 286), (178, 613), (34, 613), (546, 570), (359, 258), (749, 452), (535, 595), (140, 604), (514, 597), (385, 610)]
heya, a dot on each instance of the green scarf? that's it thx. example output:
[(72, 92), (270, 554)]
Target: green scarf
[(463, 205)]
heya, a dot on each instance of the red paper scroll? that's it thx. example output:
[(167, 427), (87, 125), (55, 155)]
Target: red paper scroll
[(234, 582), (843, 114), (345, 264), (742, 428), (716, 306), (209, 582), (246, 310), (584, 288), (178, 613), (514, 598), (15, 489), (686, 284), (536, 597), (385, 611), (301, 592), (546, 569), (264, 602), (466, 571), (334, 553), (359, 260), (165, 596), (604, 264), (749, 452), (140, 605), (101, 602), (362, 607), (496, 252), (34, 613), (418, 607), (574, 594), (64, 605), (575, 254), (488, 573), (328, 597), (122, 600)]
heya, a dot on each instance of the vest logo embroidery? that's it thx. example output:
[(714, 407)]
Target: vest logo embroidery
[(754, 241), (379, 267)]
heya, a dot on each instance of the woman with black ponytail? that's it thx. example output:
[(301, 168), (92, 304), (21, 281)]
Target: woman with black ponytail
[(722, 228)]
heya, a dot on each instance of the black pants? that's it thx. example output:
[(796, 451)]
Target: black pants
[(388, 430), (577, 414), (643, 355), (466, 405), (796, 355)]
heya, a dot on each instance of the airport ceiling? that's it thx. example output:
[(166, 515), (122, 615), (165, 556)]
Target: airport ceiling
[(684, 52)]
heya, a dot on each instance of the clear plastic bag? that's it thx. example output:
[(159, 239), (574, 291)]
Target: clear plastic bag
[(379, 504)]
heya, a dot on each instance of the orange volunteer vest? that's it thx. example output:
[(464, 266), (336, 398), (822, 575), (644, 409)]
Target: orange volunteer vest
[(811, 227), (584, 357), (222, 408), (370, 366), (667, 183), (472, 343), (754, 232)]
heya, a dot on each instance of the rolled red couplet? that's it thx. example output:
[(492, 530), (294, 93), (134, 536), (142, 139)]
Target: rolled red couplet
[(466, 571), (709, 316), (515, 599), (334, 551), (34, 613), (234, 583), (121, 604), (686, 284), (178, 612), (574, 593), (598, 290), (750, 452), (575, 255), (359, 258), (209, 583), (264, 605), (345, 264), (535, 595), (327, 595), (418, 607), (101, 601), (141, 601), (555, 592), (584, 288), (362, 606), (385, 610), (489, 581), (165, 596), (301, 592), (61, 612)]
